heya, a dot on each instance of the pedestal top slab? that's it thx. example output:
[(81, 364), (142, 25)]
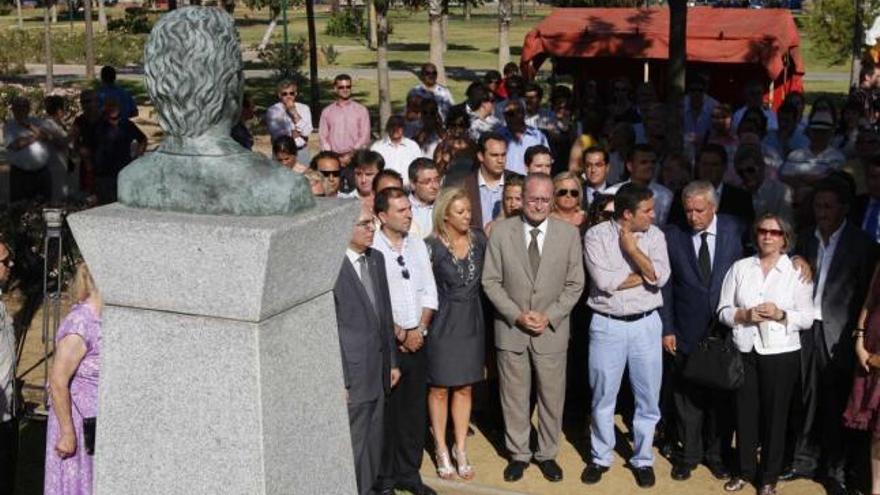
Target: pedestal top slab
[(242, 268)]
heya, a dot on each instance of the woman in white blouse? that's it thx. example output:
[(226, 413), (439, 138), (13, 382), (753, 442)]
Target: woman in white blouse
[(766, 304)]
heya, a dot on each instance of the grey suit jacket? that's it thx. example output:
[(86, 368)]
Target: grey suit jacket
[(366, 337), (849, 276), (509, 284)]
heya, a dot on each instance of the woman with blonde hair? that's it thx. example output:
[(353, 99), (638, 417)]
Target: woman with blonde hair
[(456, 341), (73, 392), (567, 200)]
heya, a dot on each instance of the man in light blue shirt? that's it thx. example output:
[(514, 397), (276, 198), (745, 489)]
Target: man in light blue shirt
[(519, 137)]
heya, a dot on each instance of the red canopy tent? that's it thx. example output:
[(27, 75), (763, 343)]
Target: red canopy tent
[(732, 45)]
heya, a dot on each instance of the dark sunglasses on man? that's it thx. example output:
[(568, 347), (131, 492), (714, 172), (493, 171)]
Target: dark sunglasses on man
[(574, 193)]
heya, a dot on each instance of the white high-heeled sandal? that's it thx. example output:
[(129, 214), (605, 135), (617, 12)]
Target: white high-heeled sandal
[(444, 465), (465, 470)]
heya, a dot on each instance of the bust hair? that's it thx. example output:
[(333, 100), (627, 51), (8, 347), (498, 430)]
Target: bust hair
[(702, 188), (386, 173), (594, 149), (787, 232), (193, 70), (83, 285), (286, 83), (490, 136), (567, 175), (533, 151), (367, 158), (284, 144), (537, 177), (324, 155), (417, 166)]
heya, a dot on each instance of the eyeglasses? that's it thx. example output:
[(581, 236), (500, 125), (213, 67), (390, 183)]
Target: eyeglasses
[(537, 201), (574, 193), (425, 182), (330, 173), (403, 272), (288, 93), (366, 225), (771, 232)]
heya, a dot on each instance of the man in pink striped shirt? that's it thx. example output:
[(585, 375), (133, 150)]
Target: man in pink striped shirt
[(345, 123)]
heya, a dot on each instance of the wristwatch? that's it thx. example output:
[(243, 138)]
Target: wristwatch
[(423, 330)]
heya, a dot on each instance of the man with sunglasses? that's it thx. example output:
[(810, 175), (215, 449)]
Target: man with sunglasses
[(345, 124), (769, 195), (327, 163), (430, 88), (290, 118), (413, 303)]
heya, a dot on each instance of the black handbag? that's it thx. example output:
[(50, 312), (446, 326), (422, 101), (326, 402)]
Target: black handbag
[(715, 362)]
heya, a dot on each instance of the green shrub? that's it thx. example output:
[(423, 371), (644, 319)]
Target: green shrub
[(134, 22), (346, 22), (22, 46), (285, 63)]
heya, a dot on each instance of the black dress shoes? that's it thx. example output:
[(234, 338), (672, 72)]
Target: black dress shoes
[(719, 471), (550, 470), (644, 476), (416, 489), (791, 474), (593, 473), (681, 471), (514, 470)]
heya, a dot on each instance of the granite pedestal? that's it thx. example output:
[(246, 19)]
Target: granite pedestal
[(221, 371)]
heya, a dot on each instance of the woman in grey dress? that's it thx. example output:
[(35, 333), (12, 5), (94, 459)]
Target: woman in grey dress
[(456, 340)]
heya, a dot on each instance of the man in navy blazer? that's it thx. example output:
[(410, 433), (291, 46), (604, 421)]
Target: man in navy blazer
[(366, 339), (701, 250)]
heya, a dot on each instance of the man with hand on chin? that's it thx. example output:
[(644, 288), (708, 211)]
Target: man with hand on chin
[(533, 274), (290, 118), (628, 264)]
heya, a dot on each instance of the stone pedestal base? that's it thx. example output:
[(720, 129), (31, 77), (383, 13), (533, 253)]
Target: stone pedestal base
[(221, 371)]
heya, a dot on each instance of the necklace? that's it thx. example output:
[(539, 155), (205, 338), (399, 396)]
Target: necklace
[(467, 266)]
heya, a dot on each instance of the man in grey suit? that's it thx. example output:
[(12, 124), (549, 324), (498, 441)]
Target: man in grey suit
[(843, 260), (366, 339), (533, 275)]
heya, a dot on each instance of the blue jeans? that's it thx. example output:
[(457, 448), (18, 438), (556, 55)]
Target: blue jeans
[(614, 345)]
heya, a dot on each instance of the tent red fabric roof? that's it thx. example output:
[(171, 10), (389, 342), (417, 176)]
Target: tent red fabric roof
[(758, 36)]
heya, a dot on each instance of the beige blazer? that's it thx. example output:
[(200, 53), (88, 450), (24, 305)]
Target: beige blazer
[(508, 281)]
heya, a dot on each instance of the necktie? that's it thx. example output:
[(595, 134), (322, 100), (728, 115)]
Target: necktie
[(872, 220), (366, 279), (704, 258), (534, 253)]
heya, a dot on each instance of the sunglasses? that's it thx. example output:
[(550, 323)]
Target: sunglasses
[(403, 272), (574, 193), (344, 87), (771, 232), (330, 173), (747, 171), (429, 73), (288, 93)]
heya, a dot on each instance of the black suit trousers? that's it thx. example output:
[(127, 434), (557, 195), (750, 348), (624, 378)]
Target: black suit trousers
[(763, 404), (406, 420), (703, 417), (826, 384), (8, 455), (366, 422)]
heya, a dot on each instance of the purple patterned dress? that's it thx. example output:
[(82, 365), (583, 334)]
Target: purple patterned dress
[(73, 476)]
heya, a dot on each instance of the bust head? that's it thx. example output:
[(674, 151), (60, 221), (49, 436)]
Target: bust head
[(193, 69)]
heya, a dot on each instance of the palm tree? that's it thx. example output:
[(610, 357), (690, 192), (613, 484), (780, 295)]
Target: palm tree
[(102, 15), (505, 11), (47, 31), (435, 15), (90, 40), (18, 13), (676, 74), (382, 61), (314, 83)]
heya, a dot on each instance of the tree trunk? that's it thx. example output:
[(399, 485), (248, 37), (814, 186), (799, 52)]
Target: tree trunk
[(54, 13), (676, 75), (273, 21), (372, 42), (47, 31), (435, 26), (18, 13), (444, 25), (102, 16), (522, 9), (505, 10), (858, 39), (334, 6), (90, 40), (467, 10), (382, 63), (314, 83)]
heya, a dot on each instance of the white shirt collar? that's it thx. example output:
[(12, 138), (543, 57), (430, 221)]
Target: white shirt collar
[(712, 229), (834, 237), (541, 226), (783, 263), (482, 181), (353, 256)]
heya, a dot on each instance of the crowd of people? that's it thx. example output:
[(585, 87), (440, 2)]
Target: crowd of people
[(513, 256)]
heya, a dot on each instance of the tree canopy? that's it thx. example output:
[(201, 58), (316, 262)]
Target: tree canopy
[(830, 26)]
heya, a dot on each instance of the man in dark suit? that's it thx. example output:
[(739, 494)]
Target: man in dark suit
[(732, 200), (366, 339), (843, 259), (485, 186), (701, 250)]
